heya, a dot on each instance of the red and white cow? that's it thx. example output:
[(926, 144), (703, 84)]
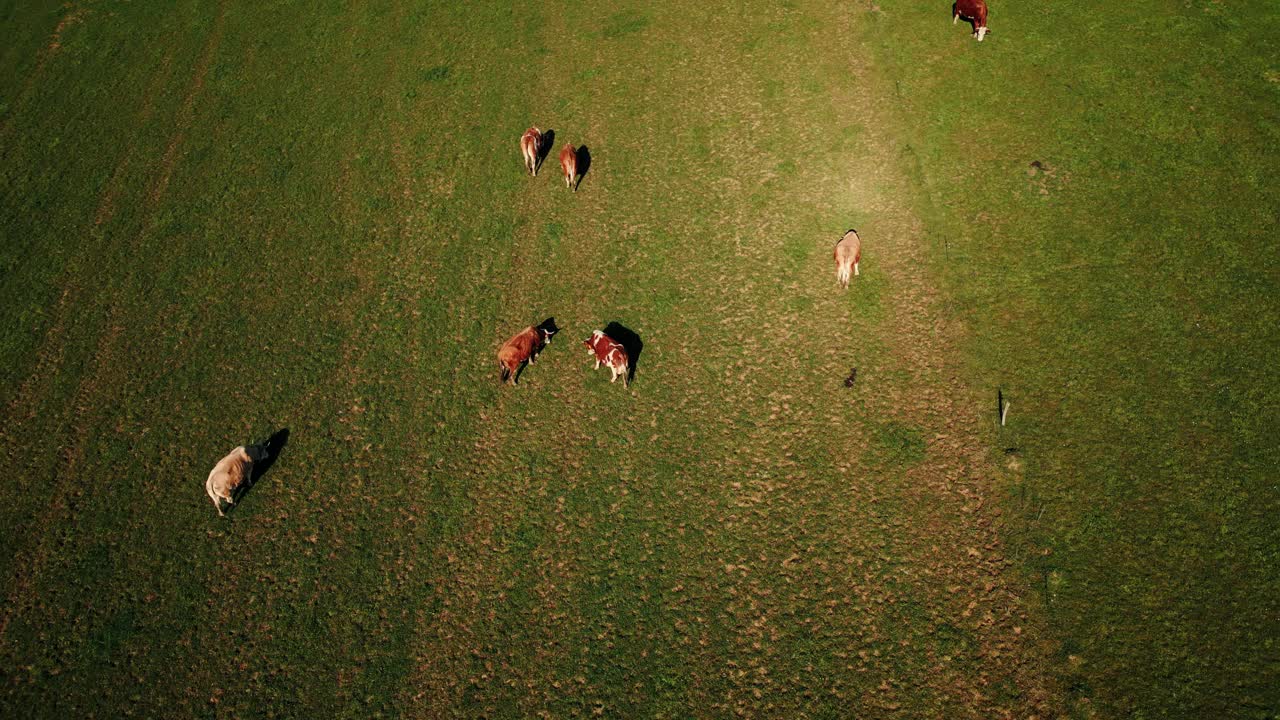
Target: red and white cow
[(848, 255), (610, 352), (975, 10), (530, 144), (569, 164), (524, 347)]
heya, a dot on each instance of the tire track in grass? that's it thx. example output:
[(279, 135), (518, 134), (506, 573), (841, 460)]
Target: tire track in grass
[(958, 550), (88, 407), (495, 636), (74, 15), (51, 352), (891, 547), (274, 584), (186, 113), (368, 642)]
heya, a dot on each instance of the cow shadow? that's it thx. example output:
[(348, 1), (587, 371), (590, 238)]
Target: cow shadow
[(631, 342), (544, 147), (273, 445), (584, 165)]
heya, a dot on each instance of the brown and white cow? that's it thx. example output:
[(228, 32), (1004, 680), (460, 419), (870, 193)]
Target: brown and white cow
[(233, 472), (974, 10), (569, 164), (848, 255), (610, 352), (530, 144), (524, 347)]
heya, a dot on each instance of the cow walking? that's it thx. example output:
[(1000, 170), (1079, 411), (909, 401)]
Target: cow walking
[(530, 146), (610, 352), (848, 255), (569, 164)]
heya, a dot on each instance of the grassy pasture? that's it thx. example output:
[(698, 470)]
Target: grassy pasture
[(1124, 291), (223, 220)]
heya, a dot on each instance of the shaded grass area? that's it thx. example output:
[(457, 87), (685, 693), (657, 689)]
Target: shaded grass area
[(1100, 185)]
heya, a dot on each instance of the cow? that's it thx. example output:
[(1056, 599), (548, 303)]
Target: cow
[(530, 144), (610, 352), (848, 255), (524, 347), (232, 473), (972, 10), (569, 164)]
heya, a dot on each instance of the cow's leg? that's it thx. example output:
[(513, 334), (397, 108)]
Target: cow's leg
[(597, 367), (855, 268)]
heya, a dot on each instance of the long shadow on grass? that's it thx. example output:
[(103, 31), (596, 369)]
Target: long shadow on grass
[(544, 148), (631, 342), (584, 164), (273, 445)]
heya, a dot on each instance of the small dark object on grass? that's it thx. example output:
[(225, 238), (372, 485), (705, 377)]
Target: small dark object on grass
[(1011, 451), (853, 375)]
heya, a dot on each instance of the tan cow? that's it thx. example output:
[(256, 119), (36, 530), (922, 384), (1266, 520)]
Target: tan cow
[(232, 473), (569, 164), (530, 144), (524, 347), (848, 255)]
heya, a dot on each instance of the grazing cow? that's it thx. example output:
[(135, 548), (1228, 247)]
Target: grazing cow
[(530, 144), (610, 352), (973, 10), (569, 163), (524, 347), (848, 255), (233, 472)]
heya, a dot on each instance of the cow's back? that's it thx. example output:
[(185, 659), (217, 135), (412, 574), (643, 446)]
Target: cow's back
[(849, 249), (976, 9), (231, 470)]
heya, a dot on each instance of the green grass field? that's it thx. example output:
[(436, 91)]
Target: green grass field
[(224, 220)]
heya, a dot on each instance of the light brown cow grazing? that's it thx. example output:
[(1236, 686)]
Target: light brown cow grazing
[(530, 144), (232, 473), (975, 10), (569, 164), (610, 352), (524, 347), (848, 255)]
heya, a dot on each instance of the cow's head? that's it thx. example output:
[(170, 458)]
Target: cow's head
[(981, 33), (591, 341), (548, 328)]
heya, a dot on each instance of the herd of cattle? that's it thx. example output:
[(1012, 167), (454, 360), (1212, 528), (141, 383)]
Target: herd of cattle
[(234, 472)]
